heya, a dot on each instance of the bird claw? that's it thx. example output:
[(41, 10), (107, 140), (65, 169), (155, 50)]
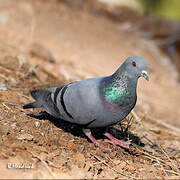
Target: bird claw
[(116, 141), (111, 140), (96, 143), (124, 144)]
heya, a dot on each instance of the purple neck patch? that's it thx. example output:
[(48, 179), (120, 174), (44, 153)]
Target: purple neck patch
[(111, 106)]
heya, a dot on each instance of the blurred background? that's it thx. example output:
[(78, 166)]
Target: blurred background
[(45, 43)]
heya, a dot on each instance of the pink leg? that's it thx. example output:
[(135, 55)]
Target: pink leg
[(115, 141), (87, 132)]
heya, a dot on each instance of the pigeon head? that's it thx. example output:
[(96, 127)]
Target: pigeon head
[(135, 67), (120, 87)]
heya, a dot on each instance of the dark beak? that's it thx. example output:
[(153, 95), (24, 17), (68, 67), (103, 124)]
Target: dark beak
[(145, 75)]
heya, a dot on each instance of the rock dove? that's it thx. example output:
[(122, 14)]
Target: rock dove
[(96, 102)]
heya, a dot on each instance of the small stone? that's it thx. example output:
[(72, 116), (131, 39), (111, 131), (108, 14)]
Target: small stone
[(21, 59), (3, 88), (13, 125), (155, 130), (37, 124), (26, 136)]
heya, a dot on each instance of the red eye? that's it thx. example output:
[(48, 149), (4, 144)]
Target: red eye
[(134, 64)]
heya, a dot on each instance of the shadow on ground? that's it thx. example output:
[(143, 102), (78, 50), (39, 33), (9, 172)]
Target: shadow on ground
[(76, 130)]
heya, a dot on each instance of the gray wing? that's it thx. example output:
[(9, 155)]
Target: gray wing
[(79, 102)]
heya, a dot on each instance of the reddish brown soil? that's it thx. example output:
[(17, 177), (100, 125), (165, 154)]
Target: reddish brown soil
[(47, 43)]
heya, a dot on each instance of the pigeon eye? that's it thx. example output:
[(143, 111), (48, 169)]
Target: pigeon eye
[(134, 63)]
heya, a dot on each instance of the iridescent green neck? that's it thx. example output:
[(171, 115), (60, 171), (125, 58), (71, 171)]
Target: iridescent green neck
[(116, 94), (118, 90)]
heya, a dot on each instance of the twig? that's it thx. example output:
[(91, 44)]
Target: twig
[(157, 121), (170, 171), (2, 153), (111, 167), (47, 167), (158, 160), (8, 108), (4, 77), (166, 125), (162, 168), (149, 155), (5, 68), (135, 116), (12, 104), (173, 172), (168, 158), (148, 140)]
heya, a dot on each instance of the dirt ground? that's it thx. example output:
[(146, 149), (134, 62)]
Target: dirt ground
[(50, 43)]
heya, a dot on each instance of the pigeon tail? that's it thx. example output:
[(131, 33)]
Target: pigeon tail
[(32, 105), (40, 95)]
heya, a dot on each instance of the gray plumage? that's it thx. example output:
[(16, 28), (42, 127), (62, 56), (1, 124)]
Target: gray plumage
[(96, 102)]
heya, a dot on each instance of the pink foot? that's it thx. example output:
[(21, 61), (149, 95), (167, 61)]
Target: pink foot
[(115, 141), (92, 138)]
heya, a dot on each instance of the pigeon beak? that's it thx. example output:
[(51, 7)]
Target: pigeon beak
[(145, 75)]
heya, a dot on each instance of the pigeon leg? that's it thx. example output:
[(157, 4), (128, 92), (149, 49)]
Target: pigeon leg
[(115, 141), (87, 132)]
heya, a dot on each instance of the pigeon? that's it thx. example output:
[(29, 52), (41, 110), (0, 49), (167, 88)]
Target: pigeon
[(96, 102)]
